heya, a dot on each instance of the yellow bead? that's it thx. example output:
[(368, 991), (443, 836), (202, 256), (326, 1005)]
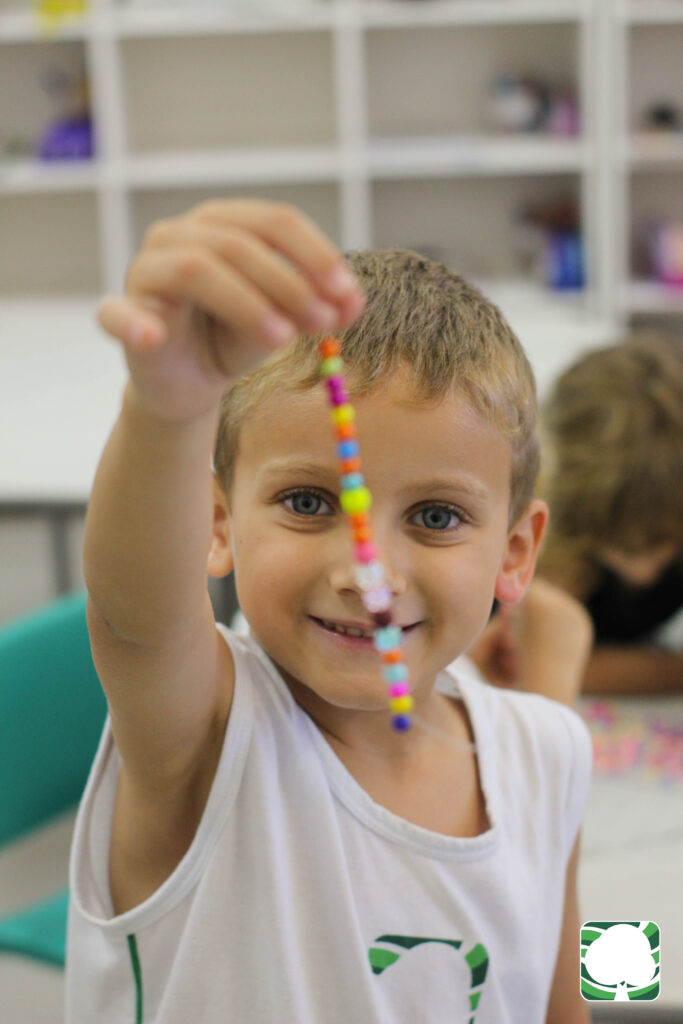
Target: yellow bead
[(356, 500), (343, 414), (402, 704)]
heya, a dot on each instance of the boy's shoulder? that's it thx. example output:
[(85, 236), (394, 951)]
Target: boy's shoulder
[(523, 719), (534, 750)]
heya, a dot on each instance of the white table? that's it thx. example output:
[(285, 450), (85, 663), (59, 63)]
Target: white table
[(631, 866), (60, 391), (61, 380)]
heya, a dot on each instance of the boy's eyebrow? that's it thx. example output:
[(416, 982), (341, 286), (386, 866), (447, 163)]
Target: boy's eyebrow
[(293, 464), (458, 485), (313, 469)]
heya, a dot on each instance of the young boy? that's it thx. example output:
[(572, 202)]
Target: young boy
[(255, 842), (613, 476)]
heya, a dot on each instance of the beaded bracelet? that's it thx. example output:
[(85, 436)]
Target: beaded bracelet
[(355, 501)]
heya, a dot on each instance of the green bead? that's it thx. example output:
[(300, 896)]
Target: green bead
[(332, 366), (357, 500)]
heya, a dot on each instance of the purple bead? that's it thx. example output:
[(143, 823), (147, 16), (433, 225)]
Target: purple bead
[(337, 391), (400, 723)]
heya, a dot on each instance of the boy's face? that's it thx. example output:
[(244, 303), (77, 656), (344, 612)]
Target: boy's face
[(293, 556), (641, 569)]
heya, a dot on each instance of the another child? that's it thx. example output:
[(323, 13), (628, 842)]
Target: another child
[(614, 483), (542, 644), (255, 843)]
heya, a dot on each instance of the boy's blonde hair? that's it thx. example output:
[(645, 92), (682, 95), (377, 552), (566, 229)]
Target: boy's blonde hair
[(429, 318), (612, 431)]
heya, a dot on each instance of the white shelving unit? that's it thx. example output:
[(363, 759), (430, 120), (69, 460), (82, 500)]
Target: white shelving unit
[(370, 114), (343, 107)]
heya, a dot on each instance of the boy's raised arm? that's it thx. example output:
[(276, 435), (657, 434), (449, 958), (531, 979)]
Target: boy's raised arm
[(208, 297), (148, 525), (151, 625)]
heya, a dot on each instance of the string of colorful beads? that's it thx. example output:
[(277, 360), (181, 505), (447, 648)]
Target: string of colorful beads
[(355, 501)]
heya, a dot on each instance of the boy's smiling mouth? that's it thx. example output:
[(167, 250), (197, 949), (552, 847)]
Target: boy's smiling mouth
[(351, 636)]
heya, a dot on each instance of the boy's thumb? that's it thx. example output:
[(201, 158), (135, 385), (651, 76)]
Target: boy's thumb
[(136, 326)]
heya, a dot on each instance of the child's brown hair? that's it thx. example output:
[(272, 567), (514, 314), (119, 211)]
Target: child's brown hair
[(612, 431), (424, 315)]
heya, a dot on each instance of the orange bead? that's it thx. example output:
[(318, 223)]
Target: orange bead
[(359, 519), (361, 534), (392, 657), (351, 465), (346, 432), (329, 347)]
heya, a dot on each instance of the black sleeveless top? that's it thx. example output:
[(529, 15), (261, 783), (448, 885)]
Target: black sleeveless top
[(626, 613)]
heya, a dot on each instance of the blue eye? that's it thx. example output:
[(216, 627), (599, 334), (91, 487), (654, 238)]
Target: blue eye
[(309, 500), (439, 516)]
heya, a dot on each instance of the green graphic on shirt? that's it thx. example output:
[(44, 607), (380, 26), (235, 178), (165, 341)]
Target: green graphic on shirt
[(477, 960)]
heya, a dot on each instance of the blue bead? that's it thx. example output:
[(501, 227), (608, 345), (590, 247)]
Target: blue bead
[(347, 449), (351, 481), (387, 639), (400, 723), (395, 673)]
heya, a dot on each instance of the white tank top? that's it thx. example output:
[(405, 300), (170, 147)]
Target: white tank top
[(302, 901)]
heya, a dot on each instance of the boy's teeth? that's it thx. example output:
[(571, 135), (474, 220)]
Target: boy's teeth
[(347, 630)]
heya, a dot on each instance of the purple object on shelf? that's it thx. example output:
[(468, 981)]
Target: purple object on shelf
[(69, 139)]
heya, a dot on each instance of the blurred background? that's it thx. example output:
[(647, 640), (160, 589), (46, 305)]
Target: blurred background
[(534, 145)]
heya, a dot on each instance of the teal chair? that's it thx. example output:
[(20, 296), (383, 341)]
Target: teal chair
[(52, 711)]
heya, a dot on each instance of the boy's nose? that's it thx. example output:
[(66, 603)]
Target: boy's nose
[(343, 577)]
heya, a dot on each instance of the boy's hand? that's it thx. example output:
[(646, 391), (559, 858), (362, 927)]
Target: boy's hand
[(214, 292), (541, 644)]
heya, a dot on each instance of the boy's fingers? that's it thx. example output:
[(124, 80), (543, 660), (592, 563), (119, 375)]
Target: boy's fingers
[(131, 323), (287, 229), (196, 275), (257, 262)]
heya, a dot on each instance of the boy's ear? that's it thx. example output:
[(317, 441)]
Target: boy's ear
[(521, 550), (219, 561)]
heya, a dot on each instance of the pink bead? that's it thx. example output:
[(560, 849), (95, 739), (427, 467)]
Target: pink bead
[(399, 689), (365, 552), (377, 599)]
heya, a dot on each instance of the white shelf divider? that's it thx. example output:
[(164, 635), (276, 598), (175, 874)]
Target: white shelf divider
[(472, 155), (387, 14), (351, 113), (651, 297), (30, 176), (140, 22), (652, 150), (109, 118), (208, 167), (652, 12)]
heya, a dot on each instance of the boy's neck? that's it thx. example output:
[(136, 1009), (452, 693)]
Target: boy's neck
[(440, 729)]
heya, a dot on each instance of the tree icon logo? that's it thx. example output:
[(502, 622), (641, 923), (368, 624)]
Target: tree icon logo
[(620, 960)]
